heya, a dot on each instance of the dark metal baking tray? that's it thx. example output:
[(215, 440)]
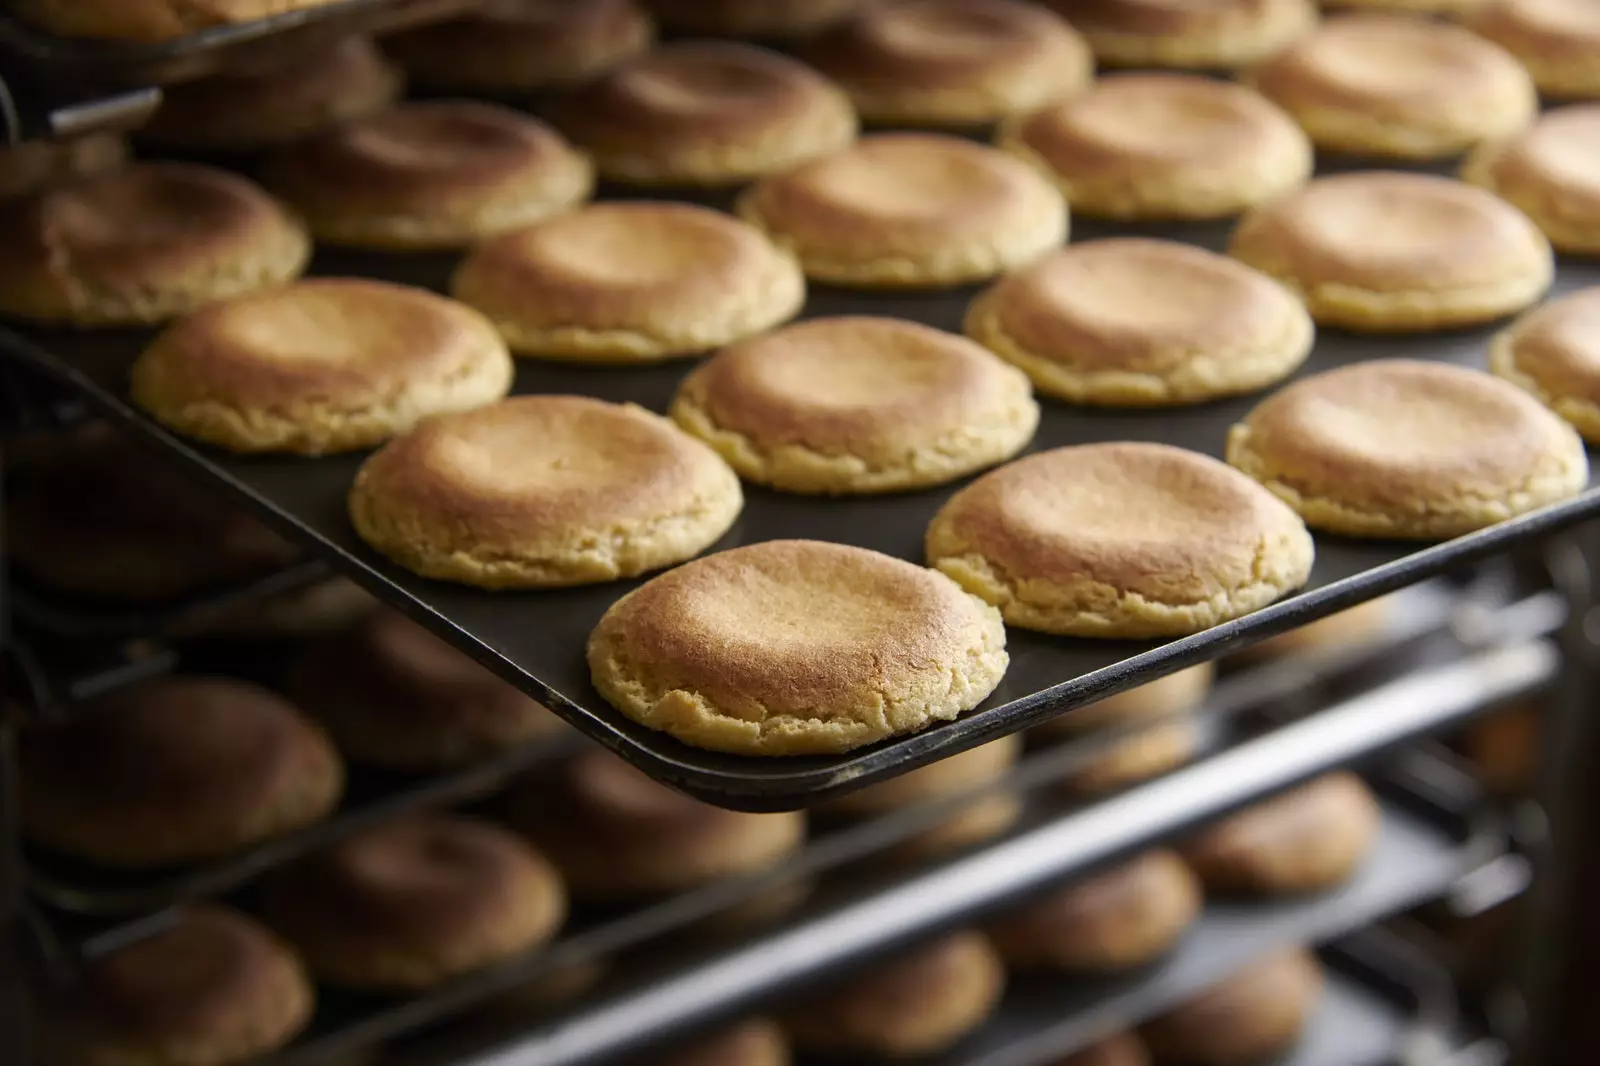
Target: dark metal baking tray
[(536, 639)]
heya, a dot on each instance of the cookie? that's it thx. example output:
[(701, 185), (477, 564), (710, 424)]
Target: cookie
[(1448, 8), (31, 166), (1398, 87), (1176, 693), (1310, 839), (706, 113), (919, 1003), (1251, 1017), (319, 609), (1115, 920), (209, 987), (175, 770), (149, 21), (1558, 41), (543, 491), (1554, 353), (1163, 146), (630, 283), (902, 210), (752, 1042), (246, 112), (1187, 543), (952, 63), (1123, 1049), (1410, 449), (796, 647), (394, 695), (325, 365), (1552, 172), (1217, 35), (620, 837), (1392, 252), (1148, 753), (137, 246), (770, 19), (435, 174), (415, 902), (1133, 322), (1353, 627), (857, 405), (522, 46)]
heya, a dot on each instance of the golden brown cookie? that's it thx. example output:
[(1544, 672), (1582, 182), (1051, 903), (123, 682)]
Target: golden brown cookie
[(140, 245), (919, 1003), (1391, 252), (325, 365), (1175, 694), (619, 836), (211, 988), (1187, 544), (1398, 87), (1163, 146), (28, 167), (1148, 753), (1249, 1018), (902, 210), (857, 405), (1215, 35), (1115, 920), (1352, 627), (307, 94), (1405, 448), (741, 18), (315, 610), (794, 647), (436, 174), (393, 694), (149, 20), (175, 770), (1123, 1049), (1310, 839), (1552, 172), (706, 113), (1451, 8), (753, 1042), (542, 491), (952, 62), (1137, 322), (630, 283), (519, 46), (1554, 353), (1557, 40), (415, 902)]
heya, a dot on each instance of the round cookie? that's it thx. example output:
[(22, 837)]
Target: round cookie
[(315, 610), (1309, 839), (1214, 35), (1398, 87), (543, 491), (1136, 322), (952, 62), (436, 174), (325, 365), (630, 283), (394, 695), (618, 836), (1251, 1017), (1410, 449), (917, 1004), (769, 19), (217, 765), (522, 46), (1115, 920), (1163, 146), (31, 166), (1558, 41), (1447, 8), (857, 405), (140, 245), (903, 210), (1148, 753), (1176, 693), (796, 647), (752, 1042), (1391, 252), (415, 902), (1123, 1049), (1188, 543), (1554, 353), (1552, 172), (1353, 627), (99, 518), (311, 92), (706, 113), (151, 20), (209, 989)]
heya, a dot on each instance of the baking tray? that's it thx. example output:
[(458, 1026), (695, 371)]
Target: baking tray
[(536, 639)]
